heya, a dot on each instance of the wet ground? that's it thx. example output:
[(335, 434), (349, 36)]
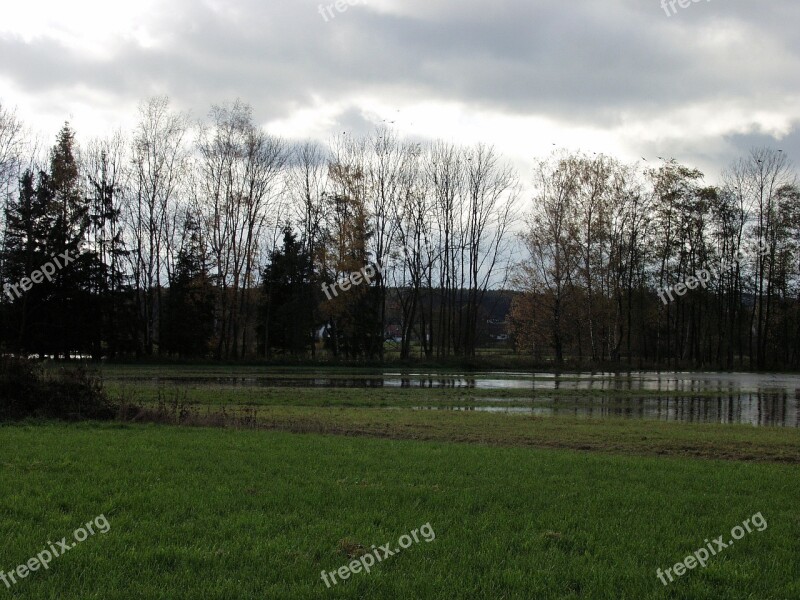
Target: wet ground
[(756, 399)]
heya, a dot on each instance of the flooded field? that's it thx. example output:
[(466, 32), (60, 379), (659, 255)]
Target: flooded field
[(755, 399)]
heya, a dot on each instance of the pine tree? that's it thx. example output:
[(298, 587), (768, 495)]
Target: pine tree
[(73, 313), (188, 325), (48, 224), (291, 292), (27, 225), (108, 278)]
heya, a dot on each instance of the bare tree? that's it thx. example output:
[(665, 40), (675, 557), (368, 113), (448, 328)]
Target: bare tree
[(307, 185), (593, 203), (240, 179), (550, 239), (412, 254), (764, 176), (11, 148), (492, 191), (445, 181), (159, 159), (387, 185)]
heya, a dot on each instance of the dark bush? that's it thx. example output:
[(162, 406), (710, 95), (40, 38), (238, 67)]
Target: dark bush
[(26, 391)]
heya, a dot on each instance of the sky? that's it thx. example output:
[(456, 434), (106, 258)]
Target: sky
[(630, 78)]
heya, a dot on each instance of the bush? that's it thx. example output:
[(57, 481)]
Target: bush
[(25, 391)]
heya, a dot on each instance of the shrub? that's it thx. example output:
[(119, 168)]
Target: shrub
[(25, 391)]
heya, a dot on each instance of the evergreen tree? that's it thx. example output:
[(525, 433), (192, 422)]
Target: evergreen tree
[(48, 224), (72, 314), (291, 292), (188, 325), (112, 296), (27, 225)]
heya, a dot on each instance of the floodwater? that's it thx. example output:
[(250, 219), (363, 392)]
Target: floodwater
[(665, 382), (760, 409), (750, 398)]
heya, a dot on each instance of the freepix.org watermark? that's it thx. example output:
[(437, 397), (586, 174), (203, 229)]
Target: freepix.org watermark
[(669, 5), (379, 553), (704, 276), (701, 556), (43, 559), (365, 275), (46, 271), (339, 5)]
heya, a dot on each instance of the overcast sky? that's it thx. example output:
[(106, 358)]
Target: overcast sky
[(617, 76)]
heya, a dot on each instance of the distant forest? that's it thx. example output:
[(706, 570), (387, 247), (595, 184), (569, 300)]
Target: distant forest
[(214, 239)]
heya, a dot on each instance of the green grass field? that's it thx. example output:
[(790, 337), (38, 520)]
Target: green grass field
[(521, 507)]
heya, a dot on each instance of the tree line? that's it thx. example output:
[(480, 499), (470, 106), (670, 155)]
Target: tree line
[(214, 239), (605, 240)]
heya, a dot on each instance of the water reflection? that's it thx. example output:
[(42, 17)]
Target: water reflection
[(757, 399), (718, 383), (760, 409)]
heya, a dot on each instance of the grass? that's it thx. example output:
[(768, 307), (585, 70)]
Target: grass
[(619, 436), (222, 514)]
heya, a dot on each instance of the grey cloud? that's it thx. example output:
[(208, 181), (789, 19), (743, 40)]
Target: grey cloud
[(582, 62)]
